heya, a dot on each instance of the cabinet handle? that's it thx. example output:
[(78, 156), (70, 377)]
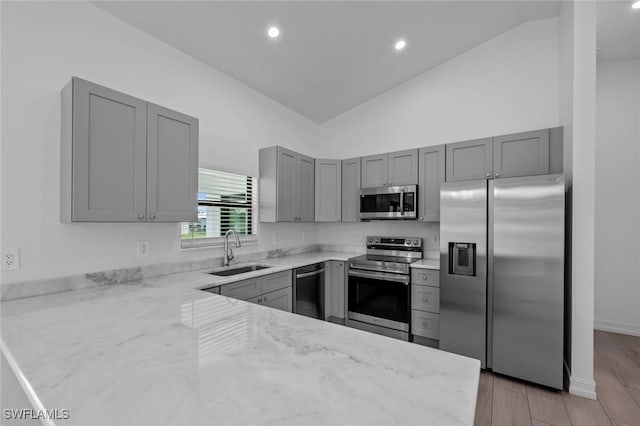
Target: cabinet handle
[(264, 299), (488, 175), (140, 216), (152, 216), (497, 174), (259, 299), (425, 299), (424, 277), (421, 217)]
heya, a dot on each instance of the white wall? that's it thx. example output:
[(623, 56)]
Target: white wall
[(617, 268), (508, 84), (578, 94), (43, 45)]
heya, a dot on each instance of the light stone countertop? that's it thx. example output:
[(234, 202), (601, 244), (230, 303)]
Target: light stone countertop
[(160, 352), (427, 264)]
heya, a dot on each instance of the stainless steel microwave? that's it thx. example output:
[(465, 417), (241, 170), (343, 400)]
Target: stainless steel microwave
[(389, 202)]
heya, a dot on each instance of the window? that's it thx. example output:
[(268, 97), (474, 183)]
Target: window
[(225, 201)]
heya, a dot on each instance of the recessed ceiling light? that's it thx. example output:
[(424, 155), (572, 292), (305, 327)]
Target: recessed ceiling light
[(636, 5), (401, 44), (273, 32)]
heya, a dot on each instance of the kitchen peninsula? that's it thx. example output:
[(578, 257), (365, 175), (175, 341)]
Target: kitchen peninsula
[(161, 352)]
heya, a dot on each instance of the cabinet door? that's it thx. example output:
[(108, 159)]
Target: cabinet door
[(374, 171), (521, 154), (286, 185), (328, 190), (172, 165), (304, 183), (431, 175), (351, 190), (403, 167), (109, 138), (469, 160), (425, 298), (280, 299), (337, 289)]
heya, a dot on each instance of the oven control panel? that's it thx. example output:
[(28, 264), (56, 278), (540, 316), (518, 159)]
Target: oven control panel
[(373, 241)]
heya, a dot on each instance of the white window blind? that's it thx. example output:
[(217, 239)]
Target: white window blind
[(225, 201)]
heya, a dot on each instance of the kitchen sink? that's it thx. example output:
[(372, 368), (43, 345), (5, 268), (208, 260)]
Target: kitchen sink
[(240, 270)]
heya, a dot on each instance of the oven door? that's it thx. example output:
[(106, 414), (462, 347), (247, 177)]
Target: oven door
[(391, 202), (379, 298)]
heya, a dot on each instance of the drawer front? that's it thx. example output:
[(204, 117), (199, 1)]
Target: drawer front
[(425, 277), (425, 324), (242, 290), (425, 298), (277, 281)]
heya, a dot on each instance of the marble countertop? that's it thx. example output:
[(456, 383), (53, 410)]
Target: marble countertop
[(201, 279), (427, 264), (160, 352)]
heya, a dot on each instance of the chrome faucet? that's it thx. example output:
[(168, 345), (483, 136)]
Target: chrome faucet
[(228, 253)]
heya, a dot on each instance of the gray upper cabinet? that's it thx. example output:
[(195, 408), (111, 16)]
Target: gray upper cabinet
[(328, 190), (286, 186), (287, 181), (521, 154), (124, 160), (305, 189), (172, 156), (431, 175), (351, 190), (374, 171), (403, 167), (469, 160), (395, 168)]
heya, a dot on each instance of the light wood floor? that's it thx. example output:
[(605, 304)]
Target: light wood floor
[(503, 401)]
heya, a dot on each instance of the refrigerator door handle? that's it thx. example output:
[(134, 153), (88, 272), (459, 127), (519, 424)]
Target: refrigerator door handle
[(490, 215)]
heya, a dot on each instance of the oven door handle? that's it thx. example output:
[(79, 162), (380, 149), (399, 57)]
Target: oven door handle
[(380, 276), (310, 274)]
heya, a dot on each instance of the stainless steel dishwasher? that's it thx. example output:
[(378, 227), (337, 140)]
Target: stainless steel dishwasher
[(308, 291)]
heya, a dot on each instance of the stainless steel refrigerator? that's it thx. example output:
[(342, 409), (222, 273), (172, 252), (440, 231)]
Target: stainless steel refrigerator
[(502, 274)]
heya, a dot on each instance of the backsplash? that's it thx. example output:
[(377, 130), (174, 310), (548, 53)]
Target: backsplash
[(354, 234)]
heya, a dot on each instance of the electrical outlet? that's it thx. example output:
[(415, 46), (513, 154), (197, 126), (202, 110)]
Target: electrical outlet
[(11, 260), (143, 248)]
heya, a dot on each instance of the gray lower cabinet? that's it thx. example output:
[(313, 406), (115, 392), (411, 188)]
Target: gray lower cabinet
[(351, 190), (328, 190), (287, 181), (431, 173), (280, 299), (124, 159), (521, 154), (390, 169), (425, 305), (469, 160), (273, 290), (336, 290)]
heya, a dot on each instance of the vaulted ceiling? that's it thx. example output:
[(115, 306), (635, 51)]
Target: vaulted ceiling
[(331, 55)]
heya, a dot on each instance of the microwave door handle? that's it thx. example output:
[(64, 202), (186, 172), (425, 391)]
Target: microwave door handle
[(402, 202)]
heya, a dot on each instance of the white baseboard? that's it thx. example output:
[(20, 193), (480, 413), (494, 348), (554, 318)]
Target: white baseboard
[(617, 327), (582, 387)]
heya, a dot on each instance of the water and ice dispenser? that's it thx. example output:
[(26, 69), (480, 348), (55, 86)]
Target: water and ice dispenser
[(462, 259)]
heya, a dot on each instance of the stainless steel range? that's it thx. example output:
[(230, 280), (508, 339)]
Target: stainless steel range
[(378, 291)]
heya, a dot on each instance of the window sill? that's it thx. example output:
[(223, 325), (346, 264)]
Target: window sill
[(206, 243)]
